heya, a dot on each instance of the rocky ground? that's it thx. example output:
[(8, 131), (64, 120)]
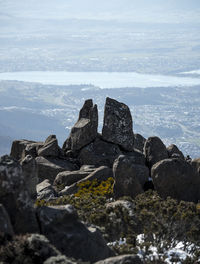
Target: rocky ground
[(109, 198)]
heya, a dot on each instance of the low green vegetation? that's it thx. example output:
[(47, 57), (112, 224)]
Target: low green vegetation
[(163, 223)]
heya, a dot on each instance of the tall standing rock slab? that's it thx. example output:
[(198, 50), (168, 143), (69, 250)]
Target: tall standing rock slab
[(176, 178), (154, 151), (15, 197), (85, 129), (118, 125)]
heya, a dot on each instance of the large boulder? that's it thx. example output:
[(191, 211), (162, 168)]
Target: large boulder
[(15, 197), (32, 149), (118, 125), (5, 224), (139, 142), (173, 150), (85, 129), (154, 150), (45, 191), (124, 259), (18, 146), (101, 174), (129, 177), (61, 226), (29, 168), (48, 168), (67, 178), (50, 147), (176, 178), (99, 153)]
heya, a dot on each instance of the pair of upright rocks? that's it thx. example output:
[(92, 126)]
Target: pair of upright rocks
[(117, 147), (117, 126)]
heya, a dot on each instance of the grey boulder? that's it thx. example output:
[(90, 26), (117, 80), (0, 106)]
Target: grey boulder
[(30, 172), (139, 142), (45, 191), (61, 226), (17, 148), (15, 197), (174, 150), (129, 177), (67, 178), (99, 153), (50, 147), (5, 224), (101, 174), (48, 168), (154, 150), (176, 178)]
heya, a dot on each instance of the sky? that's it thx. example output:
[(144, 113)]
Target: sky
[(176, 11)]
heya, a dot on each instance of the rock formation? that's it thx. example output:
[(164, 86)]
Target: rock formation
[(154, 151), (118, 125), (176, 178), (129, 176), (15, 197), (53, 175), (85, 129)]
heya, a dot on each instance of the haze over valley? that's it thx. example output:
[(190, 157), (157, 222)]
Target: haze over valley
[(155, 42)]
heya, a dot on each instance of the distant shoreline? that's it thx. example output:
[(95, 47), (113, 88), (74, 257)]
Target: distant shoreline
[(101, 79)]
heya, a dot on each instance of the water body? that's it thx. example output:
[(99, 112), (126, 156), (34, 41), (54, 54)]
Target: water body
[(192, 72), (101, 79)]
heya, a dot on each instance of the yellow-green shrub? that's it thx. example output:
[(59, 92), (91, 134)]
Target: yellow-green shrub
[(95, 188)]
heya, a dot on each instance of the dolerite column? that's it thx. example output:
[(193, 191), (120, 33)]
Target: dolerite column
[(118, 125)]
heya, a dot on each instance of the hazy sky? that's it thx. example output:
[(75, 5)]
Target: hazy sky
[(131, 10)]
